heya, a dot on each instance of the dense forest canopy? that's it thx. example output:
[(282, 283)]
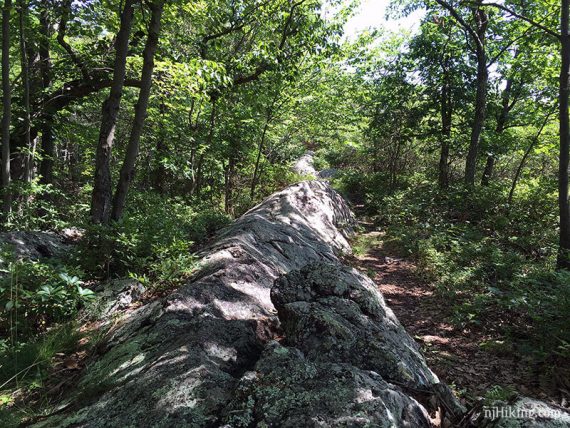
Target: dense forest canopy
[(149, 124)]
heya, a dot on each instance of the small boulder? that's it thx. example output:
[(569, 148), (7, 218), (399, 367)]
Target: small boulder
[(34, 245)]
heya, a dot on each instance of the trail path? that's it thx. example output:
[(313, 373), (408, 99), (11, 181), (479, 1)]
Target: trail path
[(454, 354)]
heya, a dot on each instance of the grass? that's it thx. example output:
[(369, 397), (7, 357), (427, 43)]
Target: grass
[(25, 368), (364, 242)]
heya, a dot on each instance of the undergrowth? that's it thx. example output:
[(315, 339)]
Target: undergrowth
[(492, 261)]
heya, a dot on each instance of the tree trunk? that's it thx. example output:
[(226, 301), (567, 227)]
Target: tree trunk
[(159, 172), (128, 168), (488, 171), (480, 97), (102, 190), (199, 167), (446, 112), (229, 183), (258, 158), (29, 161), (47, 146), (526, 154), (502, 119), (563, 203), (7, 108)]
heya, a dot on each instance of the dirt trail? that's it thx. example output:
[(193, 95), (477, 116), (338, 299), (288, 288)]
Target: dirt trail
[(454, 354)]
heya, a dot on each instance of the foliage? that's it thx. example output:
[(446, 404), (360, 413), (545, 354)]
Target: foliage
[(35, 295), (483, 256), (240, 90), (27, 366), (153, 241)]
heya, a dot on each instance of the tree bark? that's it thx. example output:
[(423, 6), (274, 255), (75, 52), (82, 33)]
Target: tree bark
[(128, 168), (7, 108), (29, 161), (480, 97), (102, 190), (446, 115), (489, 168), (506, 107), (47, 145), (564, 90)]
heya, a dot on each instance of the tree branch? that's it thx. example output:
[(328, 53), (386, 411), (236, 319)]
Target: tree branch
[(461, 22), (76, 89), (66, 46), (508, 45), (524, 18)]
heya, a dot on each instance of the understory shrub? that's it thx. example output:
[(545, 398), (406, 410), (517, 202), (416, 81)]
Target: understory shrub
[(34, 295), (153, 241), (493, 262)]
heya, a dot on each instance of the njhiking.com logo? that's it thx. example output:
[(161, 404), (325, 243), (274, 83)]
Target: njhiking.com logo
[(513, 412)]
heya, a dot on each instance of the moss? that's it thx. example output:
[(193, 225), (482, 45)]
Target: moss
[(120, 363)]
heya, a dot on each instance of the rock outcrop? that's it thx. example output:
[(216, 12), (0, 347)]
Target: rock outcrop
[(305, 165), (206, 355), (336, 314), (34, 245), (288, 390), (345, 353)]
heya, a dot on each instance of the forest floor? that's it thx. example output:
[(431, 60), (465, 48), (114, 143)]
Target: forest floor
[(455, 354)]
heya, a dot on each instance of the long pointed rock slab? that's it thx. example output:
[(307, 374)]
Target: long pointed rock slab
[(178, 360), (183, 360)]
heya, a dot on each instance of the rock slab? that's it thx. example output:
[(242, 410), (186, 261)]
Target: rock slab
[(205, 356)]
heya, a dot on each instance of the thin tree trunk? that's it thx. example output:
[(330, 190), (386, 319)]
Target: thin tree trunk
[(256, 171), (563, 203), (102, 190), (75, 164), (480, 98), (47, 145), (128, 168), (199, 172), (489, 168), (502, 119), (258, 159), (7, 108), (229, 183), (159, 173), (28, 171), (526, 154), (446, 115)]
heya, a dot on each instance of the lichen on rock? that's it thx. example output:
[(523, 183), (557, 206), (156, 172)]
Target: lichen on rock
[(336, 314), (288, 390)]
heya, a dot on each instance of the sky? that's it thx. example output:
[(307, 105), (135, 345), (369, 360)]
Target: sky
[(372, 13)]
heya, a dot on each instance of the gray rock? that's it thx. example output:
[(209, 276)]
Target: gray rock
[(336, 314), (196, 358), (34, 245), (288, 390), (114, 296), (178, 360), (305, 164), (328, 173)]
